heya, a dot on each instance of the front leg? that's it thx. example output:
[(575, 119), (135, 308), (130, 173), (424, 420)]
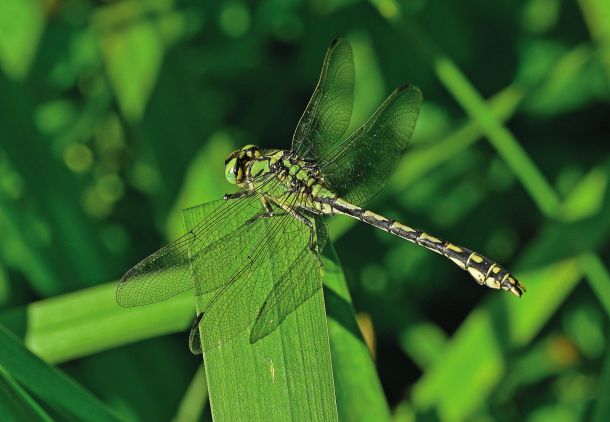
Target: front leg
[(237, 195)]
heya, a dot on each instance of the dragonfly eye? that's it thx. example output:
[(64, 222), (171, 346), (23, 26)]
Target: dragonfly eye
[(231, 171), (231, 156)]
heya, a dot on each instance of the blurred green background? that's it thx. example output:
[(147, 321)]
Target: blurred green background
[(115, 115)]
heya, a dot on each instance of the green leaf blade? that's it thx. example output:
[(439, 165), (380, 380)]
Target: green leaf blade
[(287, 375), (48, 383)]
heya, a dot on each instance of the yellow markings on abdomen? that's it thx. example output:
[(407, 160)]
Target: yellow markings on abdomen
[(482, 269), (347, 205), (402, 227), (458, 262), (454, 248), (371, 215), (477, 275), (426, 236), (493, 269), (490, 280), (476, 258)]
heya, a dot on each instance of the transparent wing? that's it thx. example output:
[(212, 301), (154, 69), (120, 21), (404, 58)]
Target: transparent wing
[(167, 272), (271, 249), (300, 282), (329, 110), (358, 168)]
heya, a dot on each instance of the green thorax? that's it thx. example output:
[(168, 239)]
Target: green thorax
[(288, 180)]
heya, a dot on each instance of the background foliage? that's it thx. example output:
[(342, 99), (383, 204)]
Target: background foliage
[(115, 115)]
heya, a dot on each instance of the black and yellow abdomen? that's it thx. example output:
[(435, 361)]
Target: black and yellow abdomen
[(485, 271)]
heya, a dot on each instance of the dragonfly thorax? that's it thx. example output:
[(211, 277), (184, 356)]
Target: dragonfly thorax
[(287, 180), (236, 162)]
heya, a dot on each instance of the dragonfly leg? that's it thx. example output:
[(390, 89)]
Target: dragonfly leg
[(267, 205), (312, 230), (312, 235), (269, 212), (237, 195)]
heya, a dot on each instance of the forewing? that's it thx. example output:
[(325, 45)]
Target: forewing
[(167, 272), (158, 277), (329, 110), (358, 168)]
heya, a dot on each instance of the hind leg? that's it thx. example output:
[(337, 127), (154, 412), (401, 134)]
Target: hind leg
[(307, 222)]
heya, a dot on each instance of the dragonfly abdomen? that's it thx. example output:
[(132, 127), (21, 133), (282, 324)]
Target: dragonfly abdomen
[(485, 271)]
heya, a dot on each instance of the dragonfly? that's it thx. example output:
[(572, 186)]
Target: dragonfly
[(256, 253)]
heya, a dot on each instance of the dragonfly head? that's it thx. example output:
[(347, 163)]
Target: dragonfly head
[(235, 164)]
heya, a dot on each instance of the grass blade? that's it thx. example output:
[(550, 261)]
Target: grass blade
[(48, 383), (193, 403), (359, 393), (16, 403), (89, 321)]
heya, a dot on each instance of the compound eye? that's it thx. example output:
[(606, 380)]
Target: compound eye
[(231, 156), (231, 171)]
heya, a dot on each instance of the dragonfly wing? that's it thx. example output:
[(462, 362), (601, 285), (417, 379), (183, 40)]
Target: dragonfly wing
[(167, 272), (329, 110), (321, 232), (231, 249), (358, 168), (160, 276), (195, 337), (298, 283), (277, 244)]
